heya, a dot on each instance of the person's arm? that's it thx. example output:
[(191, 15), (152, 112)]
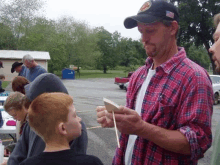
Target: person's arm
[(18, 128), (79, 145), (193, 134), (41, 71), (129, 122), (171, 140), (21, 148)]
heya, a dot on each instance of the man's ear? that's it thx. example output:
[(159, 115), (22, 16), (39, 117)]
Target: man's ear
[(62, 129), (174, 27)]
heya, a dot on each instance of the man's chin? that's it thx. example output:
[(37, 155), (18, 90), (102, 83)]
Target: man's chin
[(150, 54)]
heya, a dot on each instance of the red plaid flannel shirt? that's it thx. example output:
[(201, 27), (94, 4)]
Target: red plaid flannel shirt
[(179, 97)]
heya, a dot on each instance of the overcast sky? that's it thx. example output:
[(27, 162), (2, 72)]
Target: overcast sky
[(110, 14)]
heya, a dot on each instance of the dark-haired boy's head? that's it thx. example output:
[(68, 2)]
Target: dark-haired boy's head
[(18, 84)]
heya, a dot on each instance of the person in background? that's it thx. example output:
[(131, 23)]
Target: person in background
[(34, 69), (169, 101), (14, 106), (18, 84), (19, 68), (215, 50), (1, 65), (2, 78), (30, 144), (53, 117)]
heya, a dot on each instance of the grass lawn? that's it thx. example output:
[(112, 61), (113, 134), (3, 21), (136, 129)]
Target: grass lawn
[(5, 84), (98, 74)]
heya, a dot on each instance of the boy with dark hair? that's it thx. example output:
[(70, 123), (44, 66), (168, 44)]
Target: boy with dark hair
[(30, 144), (18, 84), (53, 117)]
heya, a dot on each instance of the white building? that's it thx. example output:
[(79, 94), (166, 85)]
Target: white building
[(8, 57)]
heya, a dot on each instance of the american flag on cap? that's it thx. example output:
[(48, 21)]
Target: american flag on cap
[(170, 14)]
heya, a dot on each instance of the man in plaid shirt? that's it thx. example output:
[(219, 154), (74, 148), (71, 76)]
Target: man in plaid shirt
[(167, 118)]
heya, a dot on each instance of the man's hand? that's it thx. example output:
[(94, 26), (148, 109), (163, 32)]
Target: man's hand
[(127, 120), (5, 161), (101, 117)]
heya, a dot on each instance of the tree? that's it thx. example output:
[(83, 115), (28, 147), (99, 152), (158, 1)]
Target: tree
[(196, 22), (7, 40), (42, 36), (80, 41), (19, 14), (199, 55), (106, 46)]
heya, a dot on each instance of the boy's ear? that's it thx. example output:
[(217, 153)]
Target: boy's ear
[(62, 129)]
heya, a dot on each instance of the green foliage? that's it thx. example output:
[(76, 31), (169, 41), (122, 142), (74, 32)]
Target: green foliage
[(196, 22), (199, 55), (73, 42), (7, 39), (106, 45), (5, 84)]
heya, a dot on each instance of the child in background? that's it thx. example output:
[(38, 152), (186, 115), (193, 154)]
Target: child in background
[(14, 106), (18, 84), (53, 117), (2, 78)]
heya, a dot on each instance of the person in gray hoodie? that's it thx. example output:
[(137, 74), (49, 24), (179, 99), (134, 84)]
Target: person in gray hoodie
[(30, 144)]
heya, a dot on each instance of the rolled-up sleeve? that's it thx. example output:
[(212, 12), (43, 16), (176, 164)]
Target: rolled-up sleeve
[(195, 116)]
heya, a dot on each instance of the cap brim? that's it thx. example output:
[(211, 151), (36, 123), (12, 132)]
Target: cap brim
[(132, 21), (12, 70)]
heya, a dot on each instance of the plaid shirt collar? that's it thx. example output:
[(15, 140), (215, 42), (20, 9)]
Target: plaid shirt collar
[(169, 65)]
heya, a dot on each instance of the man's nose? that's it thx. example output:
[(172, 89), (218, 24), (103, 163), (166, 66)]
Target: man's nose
[(211, 49), (145, 38)]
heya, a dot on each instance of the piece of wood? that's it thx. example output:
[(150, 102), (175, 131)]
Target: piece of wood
[(112, 107), (116, 130)]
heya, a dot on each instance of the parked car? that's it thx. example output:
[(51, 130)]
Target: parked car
[(216, 87), (126, 86), (122, 80)]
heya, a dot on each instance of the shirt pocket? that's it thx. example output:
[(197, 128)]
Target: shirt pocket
[(164, 112)]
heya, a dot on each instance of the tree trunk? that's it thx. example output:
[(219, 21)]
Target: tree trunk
[(104, 69)]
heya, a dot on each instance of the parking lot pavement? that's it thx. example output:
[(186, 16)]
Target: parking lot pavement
[(215, 120), (88, 95)]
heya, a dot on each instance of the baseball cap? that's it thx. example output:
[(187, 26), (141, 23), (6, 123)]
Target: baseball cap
[(44, 83), (152, 11)]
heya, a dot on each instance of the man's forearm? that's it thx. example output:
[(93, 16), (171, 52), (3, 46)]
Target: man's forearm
[(171, 140)]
